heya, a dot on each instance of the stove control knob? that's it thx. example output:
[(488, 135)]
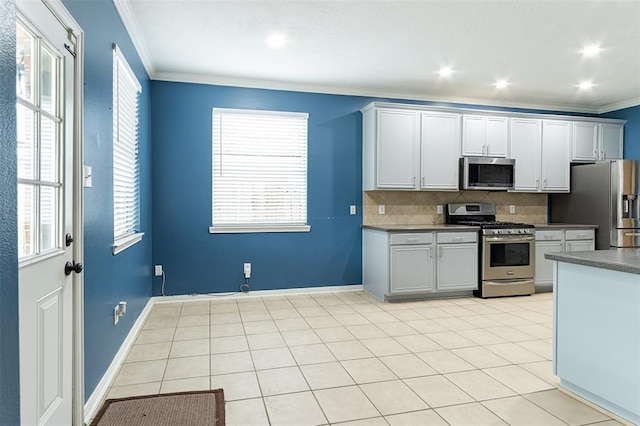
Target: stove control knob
[(512, 231)]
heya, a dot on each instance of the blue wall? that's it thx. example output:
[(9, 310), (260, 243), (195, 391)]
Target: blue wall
[(126, 276), (631, 130), (9, 350), (198, 262)]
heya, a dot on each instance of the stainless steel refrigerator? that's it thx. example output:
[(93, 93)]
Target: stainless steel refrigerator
[(606, 194)]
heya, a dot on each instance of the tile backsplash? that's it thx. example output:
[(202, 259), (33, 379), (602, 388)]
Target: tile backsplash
[(420, 207)]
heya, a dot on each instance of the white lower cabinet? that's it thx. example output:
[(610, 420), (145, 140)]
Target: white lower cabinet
[(558, 240), (457, 266), (412, 269), (418, 264)]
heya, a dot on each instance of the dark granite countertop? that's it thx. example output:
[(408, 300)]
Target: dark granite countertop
[(565, 226), (421, 228), (622, 260)]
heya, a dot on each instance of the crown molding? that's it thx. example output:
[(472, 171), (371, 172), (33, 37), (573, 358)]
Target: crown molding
[(619, 105), (339, 90), (131, 25)]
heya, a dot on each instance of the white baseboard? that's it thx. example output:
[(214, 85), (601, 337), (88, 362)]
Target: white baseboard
[(257, 293), (94, 402)]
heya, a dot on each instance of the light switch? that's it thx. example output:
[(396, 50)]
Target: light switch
[(512, 209), (439, 209), (352, 210), (381, 209), (88, 176)]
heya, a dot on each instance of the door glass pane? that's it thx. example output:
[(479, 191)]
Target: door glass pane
[(509, 254), (26, 146), (48, 154), (26, 236), (48, 76), (48, 217), (24, 69)]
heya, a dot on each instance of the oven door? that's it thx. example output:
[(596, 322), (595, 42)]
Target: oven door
[(508, 257)]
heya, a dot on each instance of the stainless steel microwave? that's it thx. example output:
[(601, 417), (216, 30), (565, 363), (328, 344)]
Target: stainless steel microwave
[(486, 173)]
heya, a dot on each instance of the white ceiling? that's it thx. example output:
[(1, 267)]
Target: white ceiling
[(394, 48)]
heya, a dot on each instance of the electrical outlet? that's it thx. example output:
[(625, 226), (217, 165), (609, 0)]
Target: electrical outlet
[(352, 210), (381, 209), (247, 270), (158, 270), (512, 209), (439, 209)]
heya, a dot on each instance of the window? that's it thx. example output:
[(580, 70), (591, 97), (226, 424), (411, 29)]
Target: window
[(259, 171), (126, 168)]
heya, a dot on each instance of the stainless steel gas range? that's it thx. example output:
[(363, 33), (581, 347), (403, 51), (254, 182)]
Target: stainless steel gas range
[(506, 252)]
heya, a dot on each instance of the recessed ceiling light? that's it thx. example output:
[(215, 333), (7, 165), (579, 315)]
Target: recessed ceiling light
[(276, 40), (501, 84), (585, 85), (591, 50), (445, 71)]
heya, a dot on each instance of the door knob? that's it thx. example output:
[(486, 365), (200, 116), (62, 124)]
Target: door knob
[(70, 267)]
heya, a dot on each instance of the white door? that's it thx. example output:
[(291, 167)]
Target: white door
[(585, 141), (611, 141), (397, 149), (497, 136), (526, 137), (411, 269), (473, 134), (440, 151), (44, 90), (544, 267), (457, 267), (556, 143)]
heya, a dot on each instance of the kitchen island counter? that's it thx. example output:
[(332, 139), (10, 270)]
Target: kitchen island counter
[(596, 327), (621, 260)]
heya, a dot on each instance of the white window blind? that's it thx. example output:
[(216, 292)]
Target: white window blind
[(259, 175), (126, 193)]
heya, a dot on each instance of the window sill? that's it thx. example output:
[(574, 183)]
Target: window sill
[(257, 229), (125, 242)]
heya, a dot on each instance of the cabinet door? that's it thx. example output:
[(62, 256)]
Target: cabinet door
[(580, 245), (440, 151), (585, 142), (526, 137), (473, 136), (411, 269), (397, 142), (611, 136), (496, 136), (544, 267), (457, 267), (556, 139)]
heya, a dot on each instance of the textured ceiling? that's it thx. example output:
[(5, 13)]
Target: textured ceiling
[(395, 48)]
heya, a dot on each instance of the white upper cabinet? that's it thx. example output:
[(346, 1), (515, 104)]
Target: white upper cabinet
[(611, 136), (596, 141), (526, 139), (556, 142), (440, 151), (484, 136), (391, 143)]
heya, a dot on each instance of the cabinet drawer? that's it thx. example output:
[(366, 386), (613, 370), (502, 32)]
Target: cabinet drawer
[(411, 238), (457, 237), (555, 235), (580, 234)]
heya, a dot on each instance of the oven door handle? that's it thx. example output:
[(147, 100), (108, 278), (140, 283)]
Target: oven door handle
[(510, 238)]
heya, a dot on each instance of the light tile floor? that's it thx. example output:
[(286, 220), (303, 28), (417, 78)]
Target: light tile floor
[(346, 358)]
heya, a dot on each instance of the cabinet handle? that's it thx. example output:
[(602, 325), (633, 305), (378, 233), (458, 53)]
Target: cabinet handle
[(413, 240), (545, 183), (537, 182), (595, 154), (604, 155), (484, 150), (548, 237), (422, 180), (458, 238), (488, 149)]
